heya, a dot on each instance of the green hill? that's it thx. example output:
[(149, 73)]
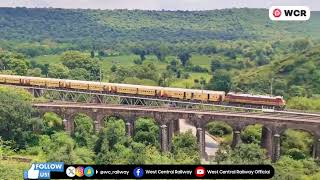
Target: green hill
[(114, 27), (297, 75)]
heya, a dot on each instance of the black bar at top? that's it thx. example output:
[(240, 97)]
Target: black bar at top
[(173, 172)]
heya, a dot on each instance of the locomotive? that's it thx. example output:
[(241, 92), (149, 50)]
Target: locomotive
[(194, 95)]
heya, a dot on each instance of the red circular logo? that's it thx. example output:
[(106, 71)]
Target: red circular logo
[(276, 12), (200, 171)]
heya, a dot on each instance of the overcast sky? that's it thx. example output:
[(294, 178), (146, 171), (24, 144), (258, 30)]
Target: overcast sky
[(158, 4)]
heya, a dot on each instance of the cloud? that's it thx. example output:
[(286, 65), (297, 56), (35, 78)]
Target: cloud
[(157, 4)]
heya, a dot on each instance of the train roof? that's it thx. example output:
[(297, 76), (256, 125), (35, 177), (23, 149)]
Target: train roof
[(256, 96), (123, 85), (194, 90), (135, 86)]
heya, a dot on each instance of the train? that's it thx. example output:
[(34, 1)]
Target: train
[(194, 95)]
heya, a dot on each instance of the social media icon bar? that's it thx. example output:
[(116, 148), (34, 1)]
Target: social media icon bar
[(138, 172), (200, 171), (82, 171)]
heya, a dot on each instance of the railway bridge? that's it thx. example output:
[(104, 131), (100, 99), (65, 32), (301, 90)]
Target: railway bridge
[(274, 124)]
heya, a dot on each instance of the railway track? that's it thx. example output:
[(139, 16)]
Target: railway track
[(188, 105)]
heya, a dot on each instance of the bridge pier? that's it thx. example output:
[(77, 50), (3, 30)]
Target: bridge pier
[(201, 142), (97, 123), (170, 134), (276, 148), (67, 126), (266, 140), (164, 138), (316, 149), (236, 138), (129, 129), (97, 126)]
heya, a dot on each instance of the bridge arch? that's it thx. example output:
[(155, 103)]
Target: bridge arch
[(71, 119), (104, 120), (297, 142)]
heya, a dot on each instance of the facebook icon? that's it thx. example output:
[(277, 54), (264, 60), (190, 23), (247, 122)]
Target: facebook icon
[(138, 172)]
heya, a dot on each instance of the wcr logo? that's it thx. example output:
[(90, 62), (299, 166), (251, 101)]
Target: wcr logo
[(289, 13)]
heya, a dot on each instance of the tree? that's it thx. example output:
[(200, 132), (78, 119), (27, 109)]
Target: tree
[(13, 62), (79, 74), (83, 130), (103, 152), (101, 53), (161, 52), (61, 147), (184, 58), (154, 156), (36, 72), (296, 154), (287, 168), (139, 151), (301, 44), (293, 139), (146, 132), (165, 79), (115, 131), (58, 71), (296, 91), (243, 154), (83, 156), (252, 134), (173, 66), (113, 68), (221, 81), (19, 66), (92, 54), (139, 50), (52, 123), (184, 142), (218, 128), (76, 59), (303, 103), (15, 116)]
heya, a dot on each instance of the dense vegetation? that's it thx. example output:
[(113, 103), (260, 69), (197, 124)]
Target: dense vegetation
[(53, 30), (49, 142), (231, 50)]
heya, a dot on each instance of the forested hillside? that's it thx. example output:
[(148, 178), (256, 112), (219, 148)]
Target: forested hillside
[(229, 50), (110, 28), (296, 75), (190, 49)]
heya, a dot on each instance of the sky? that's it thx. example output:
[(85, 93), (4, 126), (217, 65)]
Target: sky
[(159, 4)]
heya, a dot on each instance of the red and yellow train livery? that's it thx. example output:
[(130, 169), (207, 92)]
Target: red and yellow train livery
[(208, 96)]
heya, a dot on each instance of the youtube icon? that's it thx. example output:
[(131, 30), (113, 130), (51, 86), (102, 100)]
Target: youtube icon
[(200, 171)]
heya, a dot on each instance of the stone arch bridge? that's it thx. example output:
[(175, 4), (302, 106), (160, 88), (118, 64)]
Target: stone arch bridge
[(274, 124)]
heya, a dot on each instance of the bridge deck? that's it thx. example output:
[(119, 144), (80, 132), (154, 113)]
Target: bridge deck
[(258, 115)]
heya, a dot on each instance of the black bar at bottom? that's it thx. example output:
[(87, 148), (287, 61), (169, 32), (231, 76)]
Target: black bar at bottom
[(165, 172)]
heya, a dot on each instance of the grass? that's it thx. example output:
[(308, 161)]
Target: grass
[(128, 60), (47, 59), (189, 83), (10, 169), (201, 60)]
